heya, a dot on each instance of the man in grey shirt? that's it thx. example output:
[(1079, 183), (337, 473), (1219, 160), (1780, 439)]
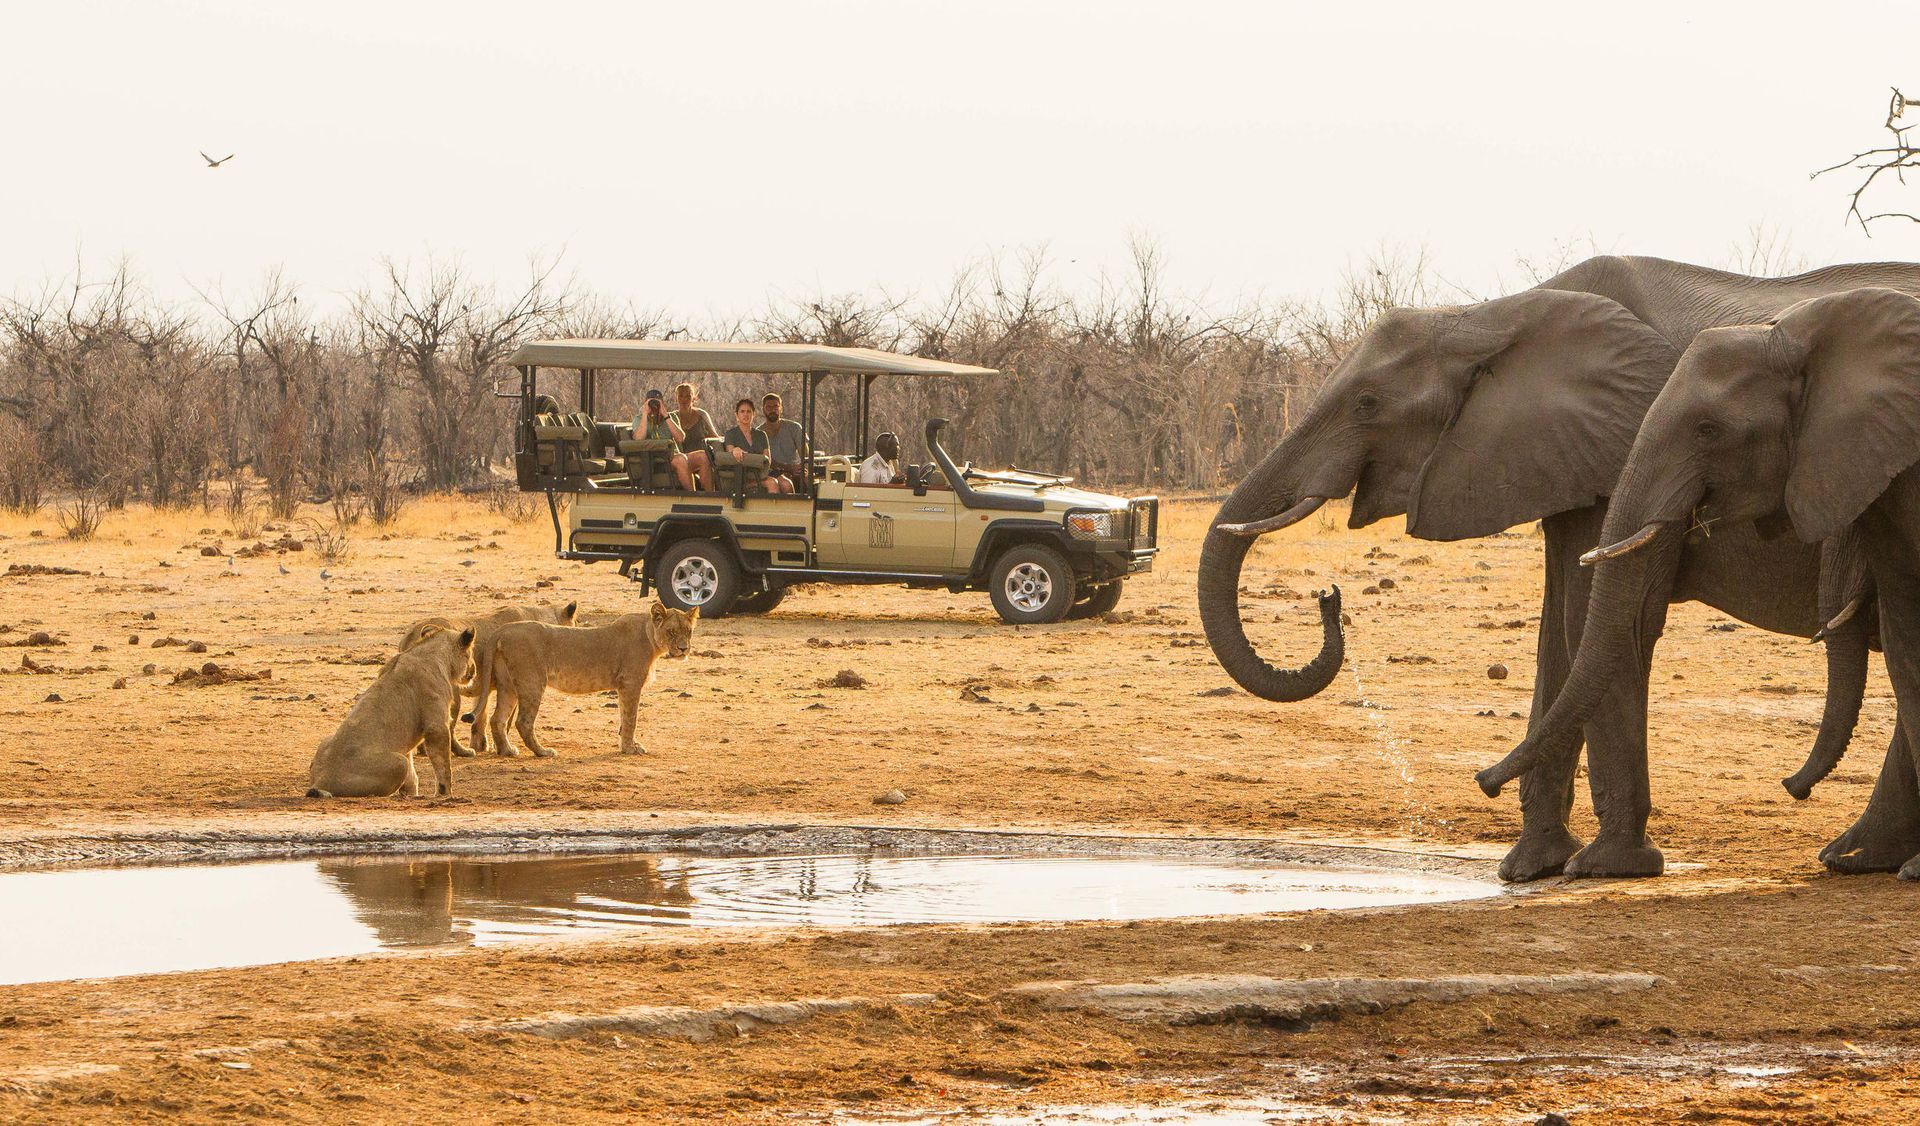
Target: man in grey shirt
[(786, 443)]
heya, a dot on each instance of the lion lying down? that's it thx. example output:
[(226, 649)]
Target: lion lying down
[(484, 628), (371, 755), (530, 657)]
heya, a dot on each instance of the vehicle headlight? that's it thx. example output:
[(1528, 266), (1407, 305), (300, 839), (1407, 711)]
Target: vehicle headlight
[(1090, 525)]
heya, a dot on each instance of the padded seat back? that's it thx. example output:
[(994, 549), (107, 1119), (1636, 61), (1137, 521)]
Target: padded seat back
[(649, 462)]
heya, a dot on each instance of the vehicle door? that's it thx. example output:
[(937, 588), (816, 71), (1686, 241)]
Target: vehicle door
[(888, 528)]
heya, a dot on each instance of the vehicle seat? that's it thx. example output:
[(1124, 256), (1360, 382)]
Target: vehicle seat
[(649, 462), (557, 445), (736, 477), (590, 446)]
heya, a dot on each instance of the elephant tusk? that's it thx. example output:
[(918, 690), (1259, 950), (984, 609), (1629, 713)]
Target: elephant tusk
[(1292, 515), (1627, 546), (1842, 618)]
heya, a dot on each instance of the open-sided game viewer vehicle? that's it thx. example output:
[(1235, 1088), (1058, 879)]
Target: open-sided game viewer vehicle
[(1041, 549)]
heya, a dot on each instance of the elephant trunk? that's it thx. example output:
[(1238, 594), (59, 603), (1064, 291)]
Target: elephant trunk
[(1639, 560), (1258, 506), (1847, 607)]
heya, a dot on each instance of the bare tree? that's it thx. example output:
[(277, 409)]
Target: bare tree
[(1890, 159)]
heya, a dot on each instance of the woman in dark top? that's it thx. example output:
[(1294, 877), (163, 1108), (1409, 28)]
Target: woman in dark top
[(742, 439), (697, 428)]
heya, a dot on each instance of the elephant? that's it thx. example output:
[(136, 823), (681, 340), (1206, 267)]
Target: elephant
[(1811, 421), (1471, 419)]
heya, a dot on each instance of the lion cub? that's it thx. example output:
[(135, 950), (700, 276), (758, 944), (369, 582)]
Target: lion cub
[(529, 658), (371, 755), (484, 628)]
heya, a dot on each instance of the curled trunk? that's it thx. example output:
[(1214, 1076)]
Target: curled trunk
[(1220, 560)]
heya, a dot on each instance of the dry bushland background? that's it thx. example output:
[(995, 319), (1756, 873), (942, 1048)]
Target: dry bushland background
[(109, 395)]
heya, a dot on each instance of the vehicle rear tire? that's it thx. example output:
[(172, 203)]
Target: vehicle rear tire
[(758, 601), (1031, 585), (698, 573), (1099, 600)]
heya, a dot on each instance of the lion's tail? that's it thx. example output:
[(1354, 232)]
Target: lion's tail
[(317, 792)]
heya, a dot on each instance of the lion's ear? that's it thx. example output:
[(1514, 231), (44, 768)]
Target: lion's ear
[(693, 615), (466, 638), (569, 610), (659, 611)]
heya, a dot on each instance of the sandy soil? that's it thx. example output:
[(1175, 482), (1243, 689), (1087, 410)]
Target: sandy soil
[(1102, 727)]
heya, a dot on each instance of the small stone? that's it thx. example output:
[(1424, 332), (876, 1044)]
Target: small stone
[(1387, 584), (845, 678), (149, 669), (972, 694), (1484, 565), (54, 698), (1496, 671), (133, 639), (120, 682), (1370, 590), (891, 797), (147, 617), (39, 637), (196, 647)]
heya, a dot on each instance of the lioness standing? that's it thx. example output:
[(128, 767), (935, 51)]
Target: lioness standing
[(484, 628), (529, 658), (371, 755)]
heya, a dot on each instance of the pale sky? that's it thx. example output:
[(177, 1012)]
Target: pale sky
[(708, 156)]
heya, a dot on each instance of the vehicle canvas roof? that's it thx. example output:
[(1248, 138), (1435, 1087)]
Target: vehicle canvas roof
[(700, 355)]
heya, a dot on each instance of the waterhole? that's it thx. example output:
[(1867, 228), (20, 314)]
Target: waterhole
[(108, 922)]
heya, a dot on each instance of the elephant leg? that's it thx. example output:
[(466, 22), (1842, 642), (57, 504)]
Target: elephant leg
[(1617, 763), (1546, 792), (1887, 832), (1899, 617)]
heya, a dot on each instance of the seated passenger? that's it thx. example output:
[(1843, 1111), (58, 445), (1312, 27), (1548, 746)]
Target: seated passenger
[(742, 439), (654, 424), (786, 444), (697, 426), (883, 468)]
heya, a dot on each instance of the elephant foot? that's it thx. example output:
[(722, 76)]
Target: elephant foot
[(1537, 855), (1911, 869), (1867, 847), (1615, 858)]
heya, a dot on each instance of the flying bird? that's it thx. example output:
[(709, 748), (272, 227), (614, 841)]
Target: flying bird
[(212, 163)]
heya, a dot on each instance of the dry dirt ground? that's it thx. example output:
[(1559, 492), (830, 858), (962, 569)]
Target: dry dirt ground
[(1788, 993)]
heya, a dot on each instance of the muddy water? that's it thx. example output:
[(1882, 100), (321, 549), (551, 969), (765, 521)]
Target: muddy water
[(110, 922)]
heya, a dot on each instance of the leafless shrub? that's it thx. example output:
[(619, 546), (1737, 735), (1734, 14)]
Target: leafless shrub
[(384, 496), (242, 513), (509, 502), (80, 514), (331, 542)]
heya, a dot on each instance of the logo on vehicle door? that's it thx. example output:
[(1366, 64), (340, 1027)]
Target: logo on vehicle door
[(880, 532)]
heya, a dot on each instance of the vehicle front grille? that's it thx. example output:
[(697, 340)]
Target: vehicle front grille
[(1144, 522)]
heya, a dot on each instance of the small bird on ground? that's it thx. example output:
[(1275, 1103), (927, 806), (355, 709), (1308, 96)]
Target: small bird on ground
[(283, 569), (325, 574), (212, 163)]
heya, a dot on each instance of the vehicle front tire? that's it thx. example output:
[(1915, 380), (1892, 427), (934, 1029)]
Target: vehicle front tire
[(758, 601), (698, 573), (1031, 585), (1100, 600)]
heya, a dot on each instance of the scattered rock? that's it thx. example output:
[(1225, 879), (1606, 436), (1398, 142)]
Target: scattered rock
[(53, 698), (212, 550), (1387, 584), (975, 694), (120, 682), (1724, 627), (1410, 659), (1496, 671), (23, 570), (1370, 589), (891, 797), (1223, 690), (133, 639), (211, 674), (845, 678)]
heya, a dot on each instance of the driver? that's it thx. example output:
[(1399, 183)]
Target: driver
[(883, 468)]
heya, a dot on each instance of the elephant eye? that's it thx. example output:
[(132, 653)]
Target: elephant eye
[(1366, 403), (1706, 430)]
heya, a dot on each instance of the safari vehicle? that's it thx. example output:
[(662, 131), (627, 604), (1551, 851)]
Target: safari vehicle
[(1041, 549)]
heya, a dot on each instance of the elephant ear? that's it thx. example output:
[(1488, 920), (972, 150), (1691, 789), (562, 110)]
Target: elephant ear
[(1563, 381), (1858, 420)]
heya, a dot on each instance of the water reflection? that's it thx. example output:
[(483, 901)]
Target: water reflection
[(117, 921)]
